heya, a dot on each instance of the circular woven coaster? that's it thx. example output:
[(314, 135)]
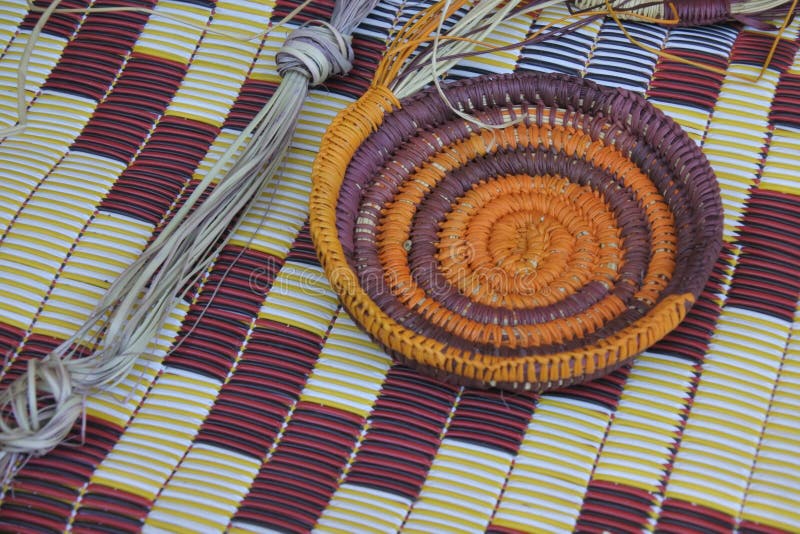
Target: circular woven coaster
[(526, 257)]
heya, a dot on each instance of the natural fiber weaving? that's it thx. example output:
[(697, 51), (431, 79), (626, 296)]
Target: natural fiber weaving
[(527, 257), (697, 12), (261, 405)]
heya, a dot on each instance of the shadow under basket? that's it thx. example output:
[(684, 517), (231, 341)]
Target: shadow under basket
[(530, 256)]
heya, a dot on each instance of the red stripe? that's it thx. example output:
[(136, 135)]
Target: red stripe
[(610, 507), (303, 250), (751, 527), (764, 217), (306, 466), (767, 276), (786, 203), (766, 240), (161, 173), (121, 123), (60, 24), (756, 299), (30, 516), (772, 208), (10, 339), (753, 48), (315, 11), (783, 292), (406, 423), (492, 419), (604, 391), (772, 270), (681, 517), (674, 81), (49, 479), (217, 323), (110, 509), (769, 244), (785, 102), (91, 61), (236, 425), (691, 338), (498, 529), (36, 346), (251, 407), (253, 95)]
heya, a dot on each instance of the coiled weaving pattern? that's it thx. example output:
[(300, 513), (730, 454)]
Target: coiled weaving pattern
[(529, 256)]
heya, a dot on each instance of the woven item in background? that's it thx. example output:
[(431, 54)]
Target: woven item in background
[(276, 411)]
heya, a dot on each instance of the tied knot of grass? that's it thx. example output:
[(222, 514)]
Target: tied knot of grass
[(319, 51), (38, 411), (39, 408)]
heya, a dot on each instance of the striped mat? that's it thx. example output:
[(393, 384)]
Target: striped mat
[(267, 409)]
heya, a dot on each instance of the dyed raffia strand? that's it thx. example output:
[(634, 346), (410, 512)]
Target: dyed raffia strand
[(754, 12), (442, 49), (523, 232), (41, 406), (697, 12)]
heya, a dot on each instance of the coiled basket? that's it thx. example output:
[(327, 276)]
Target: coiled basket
[(529, 256)]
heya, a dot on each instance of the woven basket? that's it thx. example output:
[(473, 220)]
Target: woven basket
[(525, 257)]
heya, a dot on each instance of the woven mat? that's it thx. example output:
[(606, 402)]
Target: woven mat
[(275, 412)]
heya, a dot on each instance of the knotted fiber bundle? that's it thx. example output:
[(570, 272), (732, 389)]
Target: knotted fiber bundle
[(41, 407), (541, 252)]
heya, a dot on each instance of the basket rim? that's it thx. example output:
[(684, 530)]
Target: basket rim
[(524, 372)]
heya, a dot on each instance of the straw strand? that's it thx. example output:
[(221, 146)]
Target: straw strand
[(40, 407), (698, 11)]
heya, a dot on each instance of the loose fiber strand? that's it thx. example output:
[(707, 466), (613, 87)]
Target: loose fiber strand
[(41, 407)]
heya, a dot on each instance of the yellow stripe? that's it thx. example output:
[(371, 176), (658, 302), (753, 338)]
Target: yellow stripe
[(161, 30), (363, 509), (229, 463), (469, 502), (113, 405), (783, 145), (25, 268), (558, 426), (734, 353), (724, 416), (217, 65), (482, 484), (192, 517), (124, 480), (104, 255), (21, 278), (703, 493), (59, 240), (623, 439), (525, 526), (357, 522), (200, 488), (560, 493), (765, 514), (327, 386)]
